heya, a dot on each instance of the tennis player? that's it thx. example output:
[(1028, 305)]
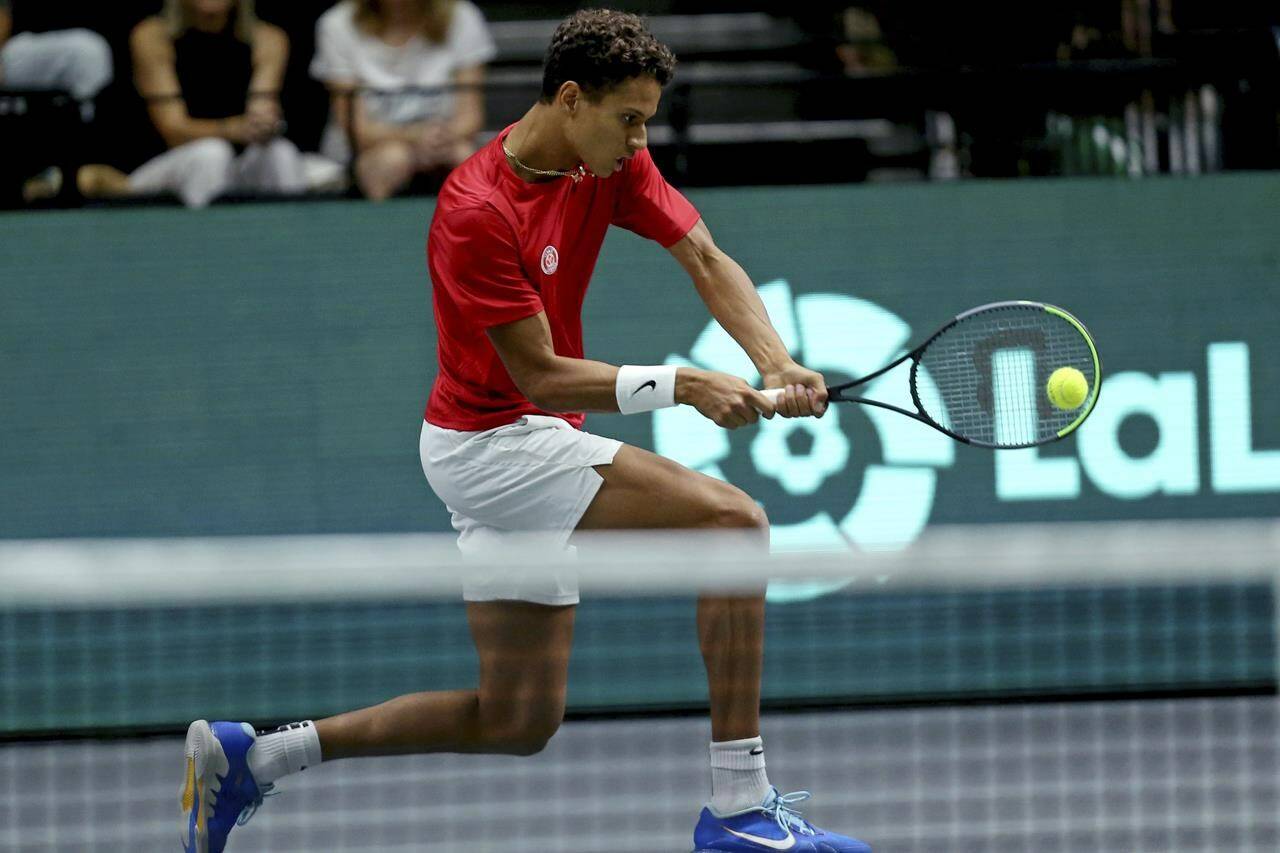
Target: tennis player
[(516, 234)]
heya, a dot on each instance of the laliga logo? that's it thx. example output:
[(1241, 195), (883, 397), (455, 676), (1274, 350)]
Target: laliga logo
[(859, 476)]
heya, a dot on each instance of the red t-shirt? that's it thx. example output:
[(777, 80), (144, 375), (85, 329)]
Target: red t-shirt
[(501, 249)]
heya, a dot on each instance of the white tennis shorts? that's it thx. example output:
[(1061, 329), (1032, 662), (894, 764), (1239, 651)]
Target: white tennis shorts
[(532, 475)]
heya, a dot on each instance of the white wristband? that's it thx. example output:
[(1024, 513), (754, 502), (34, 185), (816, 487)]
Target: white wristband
[(643, 389)]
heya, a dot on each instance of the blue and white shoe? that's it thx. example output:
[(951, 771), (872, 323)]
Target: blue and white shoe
[(218, 791), (774, 825)]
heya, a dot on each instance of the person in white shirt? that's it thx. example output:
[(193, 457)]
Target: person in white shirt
[(405, 78)]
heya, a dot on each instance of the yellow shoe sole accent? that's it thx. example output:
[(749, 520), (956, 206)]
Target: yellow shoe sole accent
[(189, 791), (200, 756)]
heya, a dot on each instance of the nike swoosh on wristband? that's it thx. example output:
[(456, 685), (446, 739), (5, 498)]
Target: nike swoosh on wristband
[(771, 843), (759, 750), (650, 384)]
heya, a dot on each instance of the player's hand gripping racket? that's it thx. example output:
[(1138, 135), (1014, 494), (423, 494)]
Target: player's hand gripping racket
[(1004, 375)]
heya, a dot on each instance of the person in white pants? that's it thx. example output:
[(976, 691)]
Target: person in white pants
[(203, 169), (77, 61), (211, 73)]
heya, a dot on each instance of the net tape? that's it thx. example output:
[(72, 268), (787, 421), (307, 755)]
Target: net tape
[(111, 572)]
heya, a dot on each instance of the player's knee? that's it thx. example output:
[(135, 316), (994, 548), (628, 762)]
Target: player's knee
[(521, 726), (735, 510), (530, 743), (530, 734)]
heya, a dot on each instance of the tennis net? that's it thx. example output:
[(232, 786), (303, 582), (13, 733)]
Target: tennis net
[(1109, 687)]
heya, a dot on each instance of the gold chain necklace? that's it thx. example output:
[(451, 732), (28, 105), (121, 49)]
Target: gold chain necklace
[(575, 173)]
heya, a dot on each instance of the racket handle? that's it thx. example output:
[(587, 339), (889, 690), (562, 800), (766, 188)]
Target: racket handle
[(774, 394)]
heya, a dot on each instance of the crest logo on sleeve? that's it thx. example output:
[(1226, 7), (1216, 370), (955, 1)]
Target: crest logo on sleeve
[(859, 477), (550, 260)]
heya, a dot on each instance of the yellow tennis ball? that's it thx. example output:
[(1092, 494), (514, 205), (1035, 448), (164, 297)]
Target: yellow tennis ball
[(1067, 388)]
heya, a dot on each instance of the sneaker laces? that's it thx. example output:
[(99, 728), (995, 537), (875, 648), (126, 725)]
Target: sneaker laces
[(779, 808), (251, 807)]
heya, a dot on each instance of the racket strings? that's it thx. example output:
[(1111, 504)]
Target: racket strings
[(985, 377)]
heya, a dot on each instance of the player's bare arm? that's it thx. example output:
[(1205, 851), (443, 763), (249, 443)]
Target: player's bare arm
[(555, 383), (732, 299)]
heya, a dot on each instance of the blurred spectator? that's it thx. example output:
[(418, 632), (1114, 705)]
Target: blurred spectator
[(863, 50), (211, 73), (1095, 31), (75, 60), (405, 78)]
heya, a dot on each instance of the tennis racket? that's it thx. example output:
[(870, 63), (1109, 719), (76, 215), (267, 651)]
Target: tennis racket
[(982, 378)]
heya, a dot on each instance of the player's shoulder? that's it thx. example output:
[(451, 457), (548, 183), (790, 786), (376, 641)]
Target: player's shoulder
[(474, 184), (478, 215), (468, 210), (468, 236)]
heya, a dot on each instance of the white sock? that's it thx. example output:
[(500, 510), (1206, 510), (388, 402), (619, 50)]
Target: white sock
[(289, 749), (738, 780)]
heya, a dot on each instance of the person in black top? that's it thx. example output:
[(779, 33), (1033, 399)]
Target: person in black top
[(211, 73)]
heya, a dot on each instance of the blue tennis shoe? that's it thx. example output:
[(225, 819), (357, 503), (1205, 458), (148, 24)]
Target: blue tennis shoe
[(218, 791), (774, 825)]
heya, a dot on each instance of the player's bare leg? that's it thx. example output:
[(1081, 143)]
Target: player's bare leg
[(643, 490), (524, 648), (519, 704), (731, 637)]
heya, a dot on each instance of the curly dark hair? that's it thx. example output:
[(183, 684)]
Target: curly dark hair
[(600, 48)]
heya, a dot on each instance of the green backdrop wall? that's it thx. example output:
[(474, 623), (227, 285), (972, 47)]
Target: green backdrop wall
[(263, 369)]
